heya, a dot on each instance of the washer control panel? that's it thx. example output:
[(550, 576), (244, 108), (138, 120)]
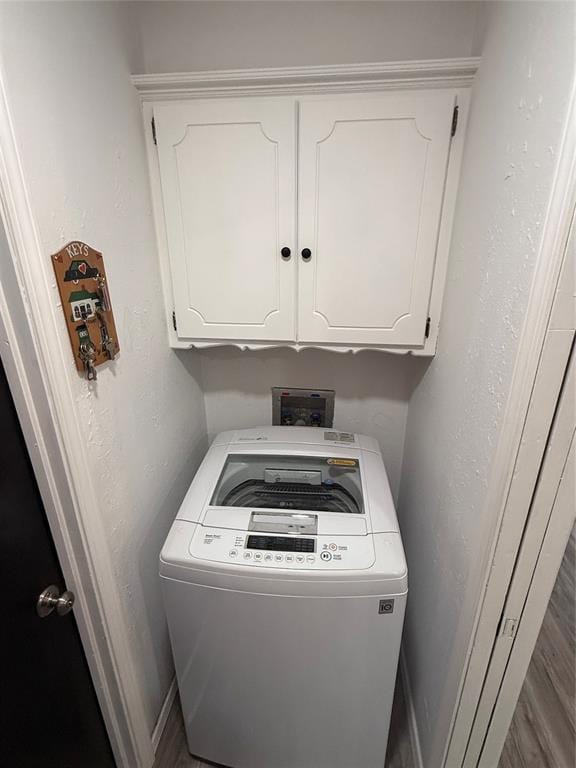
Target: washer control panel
[(265, 550)]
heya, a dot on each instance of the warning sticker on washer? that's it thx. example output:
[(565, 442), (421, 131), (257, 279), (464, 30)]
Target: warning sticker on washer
[(340, 437), (343, 462)]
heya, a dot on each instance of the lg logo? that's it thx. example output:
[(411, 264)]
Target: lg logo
[(386, 606)]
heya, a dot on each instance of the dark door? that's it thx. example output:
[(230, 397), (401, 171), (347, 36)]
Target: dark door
[(49, 714)]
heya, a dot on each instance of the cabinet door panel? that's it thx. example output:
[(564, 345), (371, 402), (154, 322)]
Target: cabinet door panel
[(228, 184), (372, 172)]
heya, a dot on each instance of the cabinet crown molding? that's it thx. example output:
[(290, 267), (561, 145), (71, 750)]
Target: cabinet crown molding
[(270, 81)]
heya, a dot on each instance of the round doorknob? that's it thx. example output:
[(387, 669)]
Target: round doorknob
[(51, 598), (306, 254), (286, 253)]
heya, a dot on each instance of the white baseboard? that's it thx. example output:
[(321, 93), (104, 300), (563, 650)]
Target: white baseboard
[(412, 722), (163, 716)]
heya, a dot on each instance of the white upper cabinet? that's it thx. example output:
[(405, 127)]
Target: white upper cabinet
[(228, 185), (371, 183), (360, 188)]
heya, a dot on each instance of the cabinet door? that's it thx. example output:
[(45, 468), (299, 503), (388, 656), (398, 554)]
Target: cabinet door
[(227, 169), (372, 172)]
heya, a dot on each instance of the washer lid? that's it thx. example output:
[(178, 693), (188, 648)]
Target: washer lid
[(354, 484), (290, 483)]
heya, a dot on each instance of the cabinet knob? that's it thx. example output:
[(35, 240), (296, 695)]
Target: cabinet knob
[(286, 253), (306, 254)]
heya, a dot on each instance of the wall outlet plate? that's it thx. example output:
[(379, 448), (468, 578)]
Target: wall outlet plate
[(296, 407)]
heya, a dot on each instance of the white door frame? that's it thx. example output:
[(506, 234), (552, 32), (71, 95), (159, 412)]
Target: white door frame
[(36, 361), (527, 422), (547, 434), (543, 548)]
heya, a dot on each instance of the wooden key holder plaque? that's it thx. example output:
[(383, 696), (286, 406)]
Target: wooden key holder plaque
[(81, 279)]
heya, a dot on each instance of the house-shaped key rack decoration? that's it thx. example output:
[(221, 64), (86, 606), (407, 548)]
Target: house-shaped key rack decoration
[(81, 279)]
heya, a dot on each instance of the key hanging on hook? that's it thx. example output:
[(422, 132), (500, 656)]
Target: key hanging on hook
[(108, 343), (103, 294), (88, 355)]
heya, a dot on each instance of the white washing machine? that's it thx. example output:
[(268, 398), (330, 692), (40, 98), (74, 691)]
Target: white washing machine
[(285, 583)]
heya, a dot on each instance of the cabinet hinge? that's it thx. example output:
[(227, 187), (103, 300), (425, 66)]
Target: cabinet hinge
[(454, 121), (427, 329), (174, 321), (508, 627), (153, 123)]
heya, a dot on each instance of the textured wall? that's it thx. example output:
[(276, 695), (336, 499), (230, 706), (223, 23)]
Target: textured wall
[(78, 127), (372, 391), (455, 415), (180, 37)]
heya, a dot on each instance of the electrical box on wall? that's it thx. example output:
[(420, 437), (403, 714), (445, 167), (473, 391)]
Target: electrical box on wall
[(302, 407)]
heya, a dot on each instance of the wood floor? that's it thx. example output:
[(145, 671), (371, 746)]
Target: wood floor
[(543, 731), (173, 752)]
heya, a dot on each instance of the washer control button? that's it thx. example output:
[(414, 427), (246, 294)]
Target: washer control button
[(268, 557), (233, 552), (326, 556), (333, 546), (289, 558), (311, 558), (299, 558), (278, 558), (247, 555), (257, 555)]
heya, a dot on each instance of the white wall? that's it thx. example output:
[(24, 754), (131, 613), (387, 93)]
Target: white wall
[(372, 391), (455, 415), (78, 127), (185, 36)]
